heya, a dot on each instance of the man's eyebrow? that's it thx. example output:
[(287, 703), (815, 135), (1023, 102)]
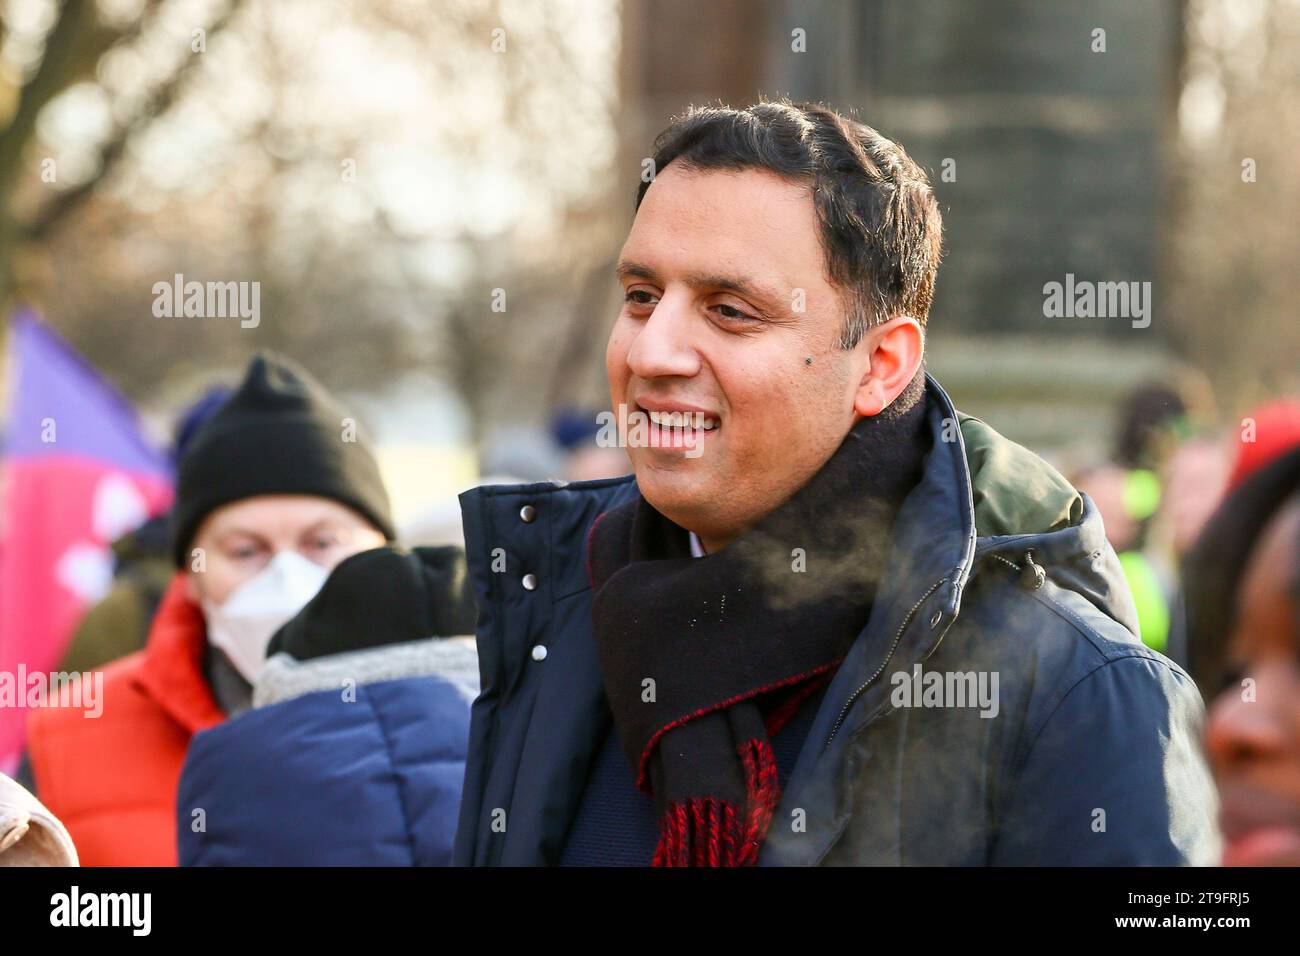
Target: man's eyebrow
[(628, 269), (741, 285)]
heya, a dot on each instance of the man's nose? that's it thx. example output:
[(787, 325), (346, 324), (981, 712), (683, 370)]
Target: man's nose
[(664, 345)]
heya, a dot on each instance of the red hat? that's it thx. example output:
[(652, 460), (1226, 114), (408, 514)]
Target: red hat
[(1276, 430)]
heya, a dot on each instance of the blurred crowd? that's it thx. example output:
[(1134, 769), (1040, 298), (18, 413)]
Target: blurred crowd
[(1206, 524)]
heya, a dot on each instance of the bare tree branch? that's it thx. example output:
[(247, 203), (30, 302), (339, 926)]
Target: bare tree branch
[(158, 103)]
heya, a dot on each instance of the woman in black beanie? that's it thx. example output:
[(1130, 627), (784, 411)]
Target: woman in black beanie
[(274, 490)]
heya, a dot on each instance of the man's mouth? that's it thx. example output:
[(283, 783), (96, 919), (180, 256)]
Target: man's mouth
[(677, 427)]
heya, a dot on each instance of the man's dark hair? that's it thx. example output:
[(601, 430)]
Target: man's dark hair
[(879, 221)]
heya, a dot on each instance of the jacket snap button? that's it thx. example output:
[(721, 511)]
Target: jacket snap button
[(527, 514), (935, 618), (539, 652), (530, 582)]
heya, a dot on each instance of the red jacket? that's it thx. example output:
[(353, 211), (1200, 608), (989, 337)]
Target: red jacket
[(112, 779)]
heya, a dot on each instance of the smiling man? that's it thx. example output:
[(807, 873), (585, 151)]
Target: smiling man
[(693, 665)]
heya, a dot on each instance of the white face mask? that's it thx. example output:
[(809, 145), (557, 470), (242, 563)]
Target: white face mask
[(244, 623)]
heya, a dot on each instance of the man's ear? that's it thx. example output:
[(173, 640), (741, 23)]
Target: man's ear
[(894, 352)]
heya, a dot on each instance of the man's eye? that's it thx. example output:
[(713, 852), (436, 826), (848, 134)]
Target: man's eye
[(733, 314), (640, 297)]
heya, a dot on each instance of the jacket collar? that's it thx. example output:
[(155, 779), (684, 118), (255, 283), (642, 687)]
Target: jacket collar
[(929, 563), (172, 670)]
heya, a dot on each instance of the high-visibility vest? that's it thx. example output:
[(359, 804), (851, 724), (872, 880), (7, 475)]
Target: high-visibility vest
[(1149, 596)]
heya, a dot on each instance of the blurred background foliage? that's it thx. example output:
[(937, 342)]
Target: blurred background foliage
[(383, 167)]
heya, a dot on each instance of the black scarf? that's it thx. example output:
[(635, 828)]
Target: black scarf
[(704, 659)]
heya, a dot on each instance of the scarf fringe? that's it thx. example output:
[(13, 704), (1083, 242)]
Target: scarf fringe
[(706, 831)]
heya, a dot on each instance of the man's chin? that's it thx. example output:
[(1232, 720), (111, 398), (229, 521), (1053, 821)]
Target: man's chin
[(679, 494)]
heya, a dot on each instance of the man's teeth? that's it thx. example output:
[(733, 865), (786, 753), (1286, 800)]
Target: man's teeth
[(683, 420)]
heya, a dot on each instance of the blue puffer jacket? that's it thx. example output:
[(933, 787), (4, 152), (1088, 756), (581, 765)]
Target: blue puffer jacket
[(997, 567), (362, 774)]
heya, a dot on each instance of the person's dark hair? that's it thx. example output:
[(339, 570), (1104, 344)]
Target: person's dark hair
[(880, 223), (1213, 568), (1145, 416)]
